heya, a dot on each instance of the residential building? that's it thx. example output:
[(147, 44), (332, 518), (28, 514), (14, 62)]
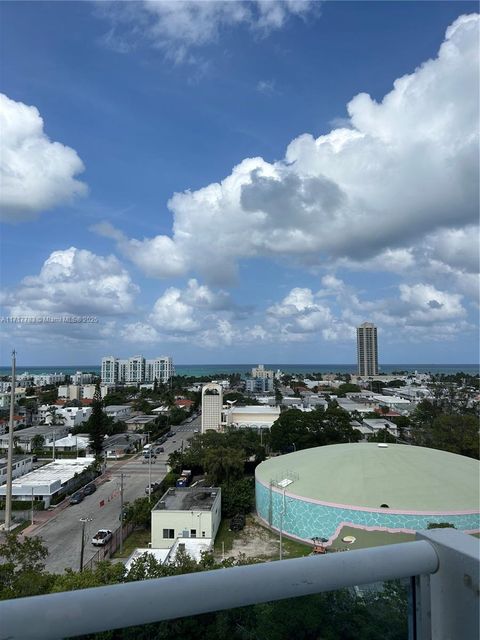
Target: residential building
[(24, 437), (212, 403), (367, 349), (43, 379), (136, 370), (261, 372), (21, 465), (88, 390), (69, 443), (5, 423), (159, 369), (259, 385), (188, 512), (82, 378), (5, 397), (118, 411), (109, 372), (120, 444), (139, 422)]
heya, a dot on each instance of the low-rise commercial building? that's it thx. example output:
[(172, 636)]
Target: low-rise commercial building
[(190, 512), (48, 481), (252, 417)]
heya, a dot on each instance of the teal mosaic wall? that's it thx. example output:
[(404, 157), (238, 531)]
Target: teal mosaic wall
[(308, 519)]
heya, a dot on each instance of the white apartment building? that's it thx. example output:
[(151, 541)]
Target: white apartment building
[(88, 390), (43, 379), (367, 349), (261, 372), (5, 397), (190, 512), (82, 378), (21, 465), (212, 403), (68, 416), (137, 369)]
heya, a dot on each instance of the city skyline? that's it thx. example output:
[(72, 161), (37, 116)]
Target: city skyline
[(250, 187)]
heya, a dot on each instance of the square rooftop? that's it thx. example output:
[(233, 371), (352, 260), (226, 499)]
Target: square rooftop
[(187, 499)]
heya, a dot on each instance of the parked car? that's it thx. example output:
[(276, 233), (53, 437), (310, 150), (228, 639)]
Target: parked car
[(159, 450), (77, 497), (101, 538), (152, 487), (89, 489)]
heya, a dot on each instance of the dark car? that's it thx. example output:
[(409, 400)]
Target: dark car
[(89, 489), (159, 450), (76, 498)]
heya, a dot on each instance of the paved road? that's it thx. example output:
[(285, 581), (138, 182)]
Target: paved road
[(62, 534)]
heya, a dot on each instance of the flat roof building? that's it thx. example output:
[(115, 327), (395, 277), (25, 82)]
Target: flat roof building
[(187, 512)]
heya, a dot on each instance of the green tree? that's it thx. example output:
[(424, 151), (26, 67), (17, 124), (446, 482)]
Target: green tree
[(97, 423), (21, 572), (37, 444), (224, 464), (238, 496), (104, 573)]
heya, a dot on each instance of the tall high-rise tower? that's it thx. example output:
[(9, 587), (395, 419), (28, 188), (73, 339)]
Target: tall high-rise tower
[(367, 351)]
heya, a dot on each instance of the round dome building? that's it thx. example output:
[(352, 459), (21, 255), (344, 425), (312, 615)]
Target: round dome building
[(394, 488)]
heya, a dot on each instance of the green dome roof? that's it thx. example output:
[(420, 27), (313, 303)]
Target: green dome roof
[(367, 475)]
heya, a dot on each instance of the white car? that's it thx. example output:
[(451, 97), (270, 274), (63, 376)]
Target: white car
[(101, 538)]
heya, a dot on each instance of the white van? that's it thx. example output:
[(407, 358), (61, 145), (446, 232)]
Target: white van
[(147, 448)]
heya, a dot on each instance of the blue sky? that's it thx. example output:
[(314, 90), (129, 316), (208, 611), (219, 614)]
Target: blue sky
[(238, 181)]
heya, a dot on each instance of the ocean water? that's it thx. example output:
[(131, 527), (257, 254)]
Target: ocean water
[(217, 369)]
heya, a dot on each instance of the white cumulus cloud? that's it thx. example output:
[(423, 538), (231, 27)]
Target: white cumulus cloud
[(36, 174), (405, 168), (74, 281)]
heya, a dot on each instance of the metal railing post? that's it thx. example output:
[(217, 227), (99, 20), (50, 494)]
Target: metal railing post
[(449, 598)]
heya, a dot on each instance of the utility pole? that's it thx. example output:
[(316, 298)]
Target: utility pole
[(8, 497), (82, 547), (121, 512), (281, 526), (32, 504)]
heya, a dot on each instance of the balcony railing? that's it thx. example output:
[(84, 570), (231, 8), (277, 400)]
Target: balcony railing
[(443, 564)]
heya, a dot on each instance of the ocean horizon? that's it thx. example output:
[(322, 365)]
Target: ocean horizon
[(213, 369)]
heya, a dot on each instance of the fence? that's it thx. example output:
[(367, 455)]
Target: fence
[(109, 549)]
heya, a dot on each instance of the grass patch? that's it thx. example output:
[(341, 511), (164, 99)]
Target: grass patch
[(294, 549), (138, 538), (21, 526), (365, 539), (224, 535)]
